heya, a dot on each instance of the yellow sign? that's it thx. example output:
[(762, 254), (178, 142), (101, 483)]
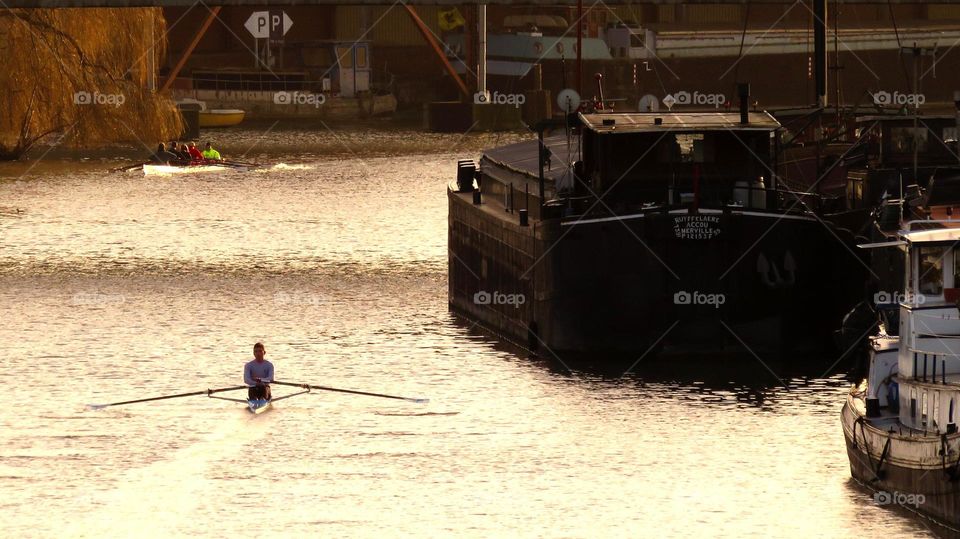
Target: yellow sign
[(450, 18)]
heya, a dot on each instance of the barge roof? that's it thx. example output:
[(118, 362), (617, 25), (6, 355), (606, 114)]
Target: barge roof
[(646, 122)]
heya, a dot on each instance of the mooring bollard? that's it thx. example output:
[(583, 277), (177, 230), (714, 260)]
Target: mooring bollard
[(476, 197), (524, 219)]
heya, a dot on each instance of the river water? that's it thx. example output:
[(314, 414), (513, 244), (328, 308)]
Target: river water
[(116, 286)]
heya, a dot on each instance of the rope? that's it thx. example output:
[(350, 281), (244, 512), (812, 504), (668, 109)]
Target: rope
[(896, 32), (743, 37)]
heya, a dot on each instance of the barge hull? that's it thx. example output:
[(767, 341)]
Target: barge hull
[(604, 286)]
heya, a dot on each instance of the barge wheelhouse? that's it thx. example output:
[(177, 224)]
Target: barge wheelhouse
[(638, 231)]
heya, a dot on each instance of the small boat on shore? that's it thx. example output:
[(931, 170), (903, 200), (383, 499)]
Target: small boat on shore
[(221, 117), (213, 117), (900, 424)]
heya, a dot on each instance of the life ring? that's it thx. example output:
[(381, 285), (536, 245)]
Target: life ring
[(559, 47), (538, 47)]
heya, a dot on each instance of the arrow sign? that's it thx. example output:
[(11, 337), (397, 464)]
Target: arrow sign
[(258, 24), (280, 24), (268, 24)]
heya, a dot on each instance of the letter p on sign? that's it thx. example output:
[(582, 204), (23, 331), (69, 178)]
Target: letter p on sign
[(268, 24)]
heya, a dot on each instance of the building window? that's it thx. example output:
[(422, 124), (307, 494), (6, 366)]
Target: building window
[(345, 57), (361, 57)]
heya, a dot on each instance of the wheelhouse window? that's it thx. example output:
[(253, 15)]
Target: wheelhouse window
[(950, 134), (956, 268), (902, 139), (930, 275), (692, 148)]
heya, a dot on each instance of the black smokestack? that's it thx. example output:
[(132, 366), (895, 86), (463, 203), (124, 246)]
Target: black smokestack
[(743, 89), (820, 50)]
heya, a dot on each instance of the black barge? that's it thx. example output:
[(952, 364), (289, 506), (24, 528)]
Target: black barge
[(631, 233)]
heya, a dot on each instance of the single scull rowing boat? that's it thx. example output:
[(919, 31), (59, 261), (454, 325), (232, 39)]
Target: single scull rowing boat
[(258, 406)]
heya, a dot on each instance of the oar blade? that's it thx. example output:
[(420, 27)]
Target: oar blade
[(96, 406), (351, 391)]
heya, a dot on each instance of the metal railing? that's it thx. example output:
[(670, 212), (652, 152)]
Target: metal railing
[(736, 198)]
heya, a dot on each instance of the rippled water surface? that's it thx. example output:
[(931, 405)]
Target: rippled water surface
[(114, 286)]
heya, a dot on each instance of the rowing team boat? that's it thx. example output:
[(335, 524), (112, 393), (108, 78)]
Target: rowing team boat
[(173, 167), (258, 406), (191, 168)]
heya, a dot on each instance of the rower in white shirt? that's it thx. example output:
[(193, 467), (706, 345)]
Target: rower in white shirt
[(257, 374)]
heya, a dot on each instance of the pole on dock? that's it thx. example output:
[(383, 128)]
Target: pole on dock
[(540, 158), (820, 50), (956, 107), (482, 50), (579, 47)]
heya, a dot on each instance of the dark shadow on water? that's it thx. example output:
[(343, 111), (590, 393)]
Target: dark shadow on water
[(700, 368)]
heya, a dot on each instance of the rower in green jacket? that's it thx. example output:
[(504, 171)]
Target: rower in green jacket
[(210, 153)]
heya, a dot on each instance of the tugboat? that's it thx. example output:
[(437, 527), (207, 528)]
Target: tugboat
[(636, 233), (900, 424)]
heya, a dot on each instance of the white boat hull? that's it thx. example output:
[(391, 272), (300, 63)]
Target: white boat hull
[(919, 472), (258, 406), (166, 170)]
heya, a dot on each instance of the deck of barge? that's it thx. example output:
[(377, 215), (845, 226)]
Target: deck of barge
[(521, 157)]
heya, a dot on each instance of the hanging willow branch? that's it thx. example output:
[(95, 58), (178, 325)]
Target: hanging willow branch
[(82, 74)]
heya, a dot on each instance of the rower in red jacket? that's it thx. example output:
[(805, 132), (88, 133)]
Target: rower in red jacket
[(194, 152)]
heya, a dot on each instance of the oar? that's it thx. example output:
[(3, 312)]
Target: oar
[(130, 167), (237, 164), (352, 392), (191, 394)]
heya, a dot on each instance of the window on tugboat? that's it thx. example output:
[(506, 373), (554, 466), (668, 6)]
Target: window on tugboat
[(930, 276)]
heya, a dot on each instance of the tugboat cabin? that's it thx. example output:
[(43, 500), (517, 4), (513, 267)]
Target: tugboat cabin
[(929, 359)]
